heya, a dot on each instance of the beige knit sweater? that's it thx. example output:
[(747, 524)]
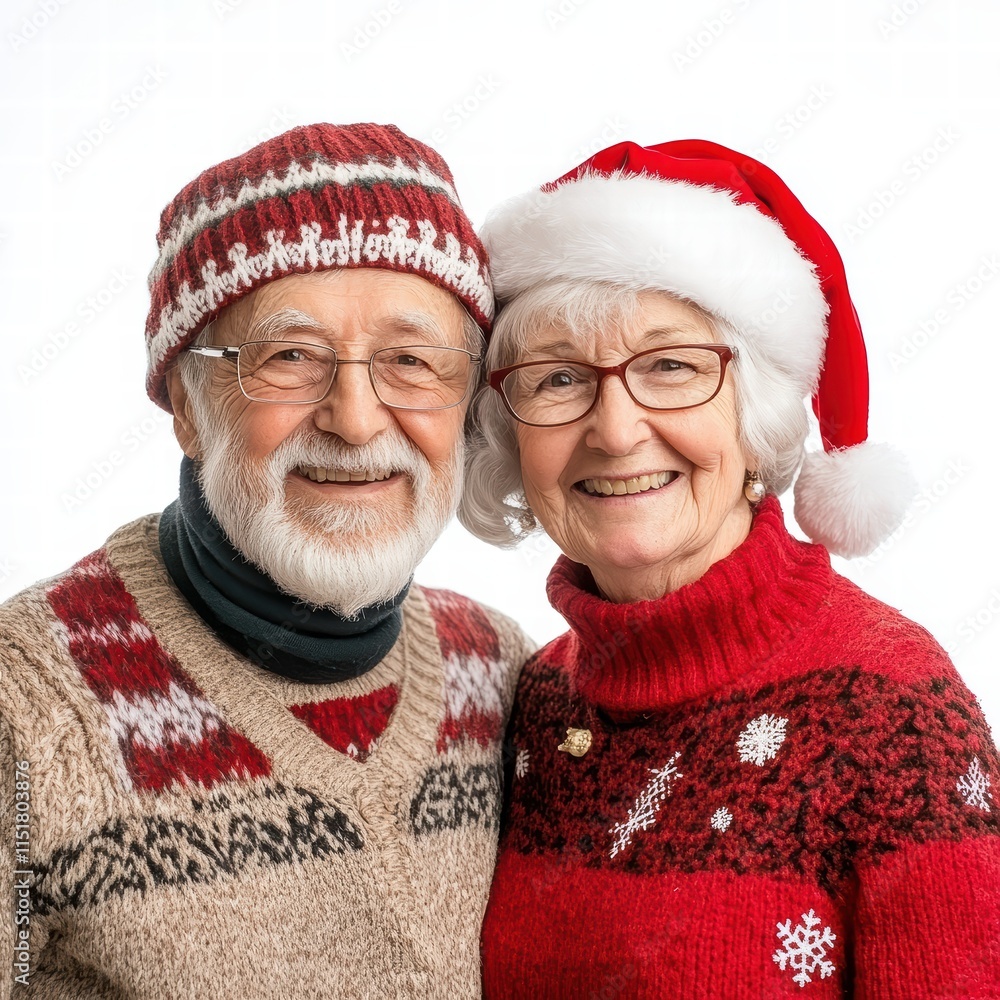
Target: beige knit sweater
[(177, 822)]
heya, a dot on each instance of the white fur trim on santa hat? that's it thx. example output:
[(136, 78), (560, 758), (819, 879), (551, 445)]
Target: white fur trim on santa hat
[(852, 499), (649, 233)]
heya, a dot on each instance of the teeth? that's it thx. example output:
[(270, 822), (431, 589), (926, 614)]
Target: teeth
[(320, 475), (638, 484)]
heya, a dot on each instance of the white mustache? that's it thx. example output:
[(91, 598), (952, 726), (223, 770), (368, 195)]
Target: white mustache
[(383, 454)]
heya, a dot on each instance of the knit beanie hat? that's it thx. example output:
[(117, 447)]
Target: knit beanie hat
[(314, 198), (720, 229)]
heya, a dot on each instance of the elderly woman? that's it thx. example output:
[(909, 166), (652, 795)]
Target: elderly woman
[(736, 775)]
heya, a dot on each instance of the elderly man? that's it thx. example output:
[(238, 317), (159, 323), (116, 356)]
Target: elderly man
[(243, 756)]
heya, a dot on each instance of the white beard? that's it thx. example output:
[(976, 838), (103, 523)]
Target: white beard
[(342, 556)]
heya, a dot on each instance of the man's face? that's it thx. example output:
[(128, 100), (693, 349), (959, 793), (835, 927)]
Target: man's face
[(342, 544)]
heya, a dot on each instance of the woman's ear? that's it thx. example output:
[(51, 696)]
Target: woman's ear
[(184, 426)]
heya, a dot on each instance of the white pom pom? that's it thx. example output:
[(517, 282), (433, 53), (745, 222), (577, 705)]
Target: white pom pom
[(852, 499)]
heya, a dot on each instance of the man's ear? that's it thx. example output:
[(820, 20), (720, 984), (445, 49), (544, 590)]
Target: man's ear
[(184, 426)]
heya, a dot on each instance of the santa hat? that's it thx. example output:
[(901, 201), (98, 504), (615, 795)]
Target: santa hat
[(722, 230), (315, 198)]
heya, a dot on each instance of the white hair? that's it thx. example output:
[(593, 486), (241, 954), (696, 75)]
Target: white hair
[(771, 417)]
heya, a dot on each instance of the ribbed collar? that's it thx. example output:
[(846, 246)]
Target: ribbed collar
[(246, 608), (648, 655)]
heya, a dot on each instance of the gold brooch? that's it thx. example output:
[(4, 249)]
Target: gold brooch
[(577, 742)]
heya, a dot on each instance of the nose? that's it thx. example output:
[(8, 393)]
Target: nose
[(617, 424), (350, 409)]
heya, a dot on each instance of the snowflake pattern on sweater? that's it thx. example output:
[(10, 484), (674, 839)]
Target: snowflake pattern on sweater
[(643, 814), (804, 949), (807, 813), (721, 819), (975, 787), (762, 739), (807, 816), (828, 837)]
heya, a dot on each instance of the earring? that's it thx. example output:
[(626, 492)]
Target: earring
[(754, 488)]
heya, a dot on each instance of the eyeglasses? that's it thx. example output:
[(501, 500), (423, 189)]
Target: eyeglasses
[(415, 377), (555, 392)]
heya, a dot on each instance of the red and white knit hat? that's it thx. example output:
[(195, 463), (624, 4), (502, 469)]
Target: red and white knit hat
[(314, 198), (715, 226)]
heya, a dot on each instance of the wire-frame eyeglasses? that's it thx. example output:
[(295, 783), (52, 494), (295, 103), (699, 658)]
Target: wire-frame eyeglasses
[(412, 377)]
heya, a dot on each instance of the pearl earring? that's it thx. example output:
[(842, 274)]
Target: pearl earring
[(754, 488)]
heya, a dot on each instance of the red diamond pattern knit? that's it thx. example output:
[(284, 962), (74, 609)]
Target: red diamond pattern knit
[(790, 792), (350, 725), (167, 731)]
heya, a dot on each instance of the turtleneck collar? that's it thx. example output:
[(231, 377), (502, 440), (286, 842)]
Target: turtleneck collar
[(248, 610), (649, 655)]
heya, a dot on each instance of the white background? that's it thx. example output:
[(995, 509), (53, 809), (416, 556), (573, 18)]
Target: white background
[(882, 116)]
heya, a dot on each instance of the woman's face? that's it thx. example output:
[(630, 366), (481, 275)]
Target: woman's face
[(640, 545)]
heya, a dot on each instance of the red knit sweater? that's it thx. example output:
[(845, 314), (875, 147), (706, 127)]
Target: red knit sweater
[(787, 794)]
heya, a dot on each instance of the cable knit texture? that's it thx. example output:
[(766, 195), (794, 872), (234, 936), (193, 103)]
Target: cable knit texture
[(201, 827), (789, 792)]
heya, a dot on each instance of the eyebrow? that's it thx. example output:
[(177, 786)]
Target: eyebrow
[(684, 329), (280, 321), (288, 318), (553, 346), (413, 322), (681, 330)]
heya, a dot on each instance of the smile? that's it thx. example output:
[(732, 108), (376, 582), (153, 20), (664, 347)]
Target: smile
[(620, 487), (319, 475)]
